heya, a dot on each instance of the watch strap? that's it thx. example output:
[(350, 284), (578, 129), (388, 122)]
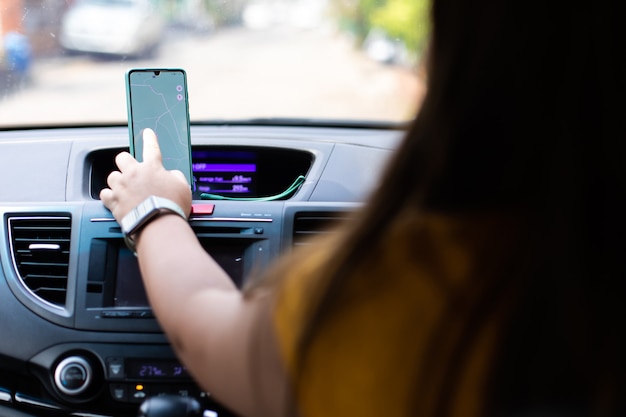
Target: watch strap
[(149, 209)]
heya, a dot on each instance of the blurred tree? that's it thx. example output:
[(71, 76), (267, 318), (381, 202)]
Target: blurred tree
[(224, 12), (354, 15), (406, 21)]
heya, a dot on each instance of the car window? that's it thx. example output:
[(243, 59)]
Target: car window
[(63, 61)]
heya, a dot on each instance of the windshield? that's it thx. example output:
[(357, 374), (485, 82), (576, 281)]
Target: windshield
[(63, 61)]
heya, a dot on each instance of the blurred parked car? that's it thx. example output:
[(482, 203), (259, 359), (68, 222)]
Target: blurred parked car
[(382, 48), (116, 27), (15, 60)]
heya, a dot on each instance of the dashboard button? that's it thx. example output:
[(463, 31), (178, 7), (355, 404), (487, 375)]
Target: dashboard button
[(138, 393), (72, 375), (202, 209), (143, 314), (187, 391), (115, 368), (119, 392), (108, 314)]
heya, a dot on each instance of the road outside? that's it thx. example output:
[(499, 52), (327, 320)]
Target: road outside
[(233, 73)]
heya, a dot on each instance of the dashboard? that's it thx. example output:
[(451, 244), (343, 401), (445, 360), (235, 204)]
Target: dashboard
[(77, 335)]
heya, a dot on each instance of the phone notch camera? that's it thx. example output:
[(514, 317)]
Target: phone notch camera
[(157, 73)]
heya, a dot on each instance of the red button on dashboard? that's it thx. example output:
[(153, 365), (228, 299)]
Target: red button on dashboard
[(206, 209)]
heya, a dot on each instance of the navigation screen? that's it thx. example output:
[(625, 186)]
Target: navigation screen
[(129, 290), (157, 99), (227, 173)]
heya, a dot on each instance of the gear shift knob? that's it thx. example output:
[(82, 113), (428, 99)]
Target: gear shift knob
[(170, 406)]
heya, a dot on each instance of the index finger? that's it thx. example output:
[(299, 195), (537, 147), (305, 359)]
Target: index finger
[(151, 149)]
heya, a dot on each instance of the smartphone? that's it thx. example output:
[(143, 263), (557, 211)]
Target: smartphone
[(156, 98)]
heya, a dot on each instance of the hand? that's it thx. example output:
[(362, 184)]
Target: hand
[(135, 181)]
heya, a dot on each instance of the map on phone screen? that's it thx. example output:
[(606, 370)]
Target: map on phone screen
[(158, 100)]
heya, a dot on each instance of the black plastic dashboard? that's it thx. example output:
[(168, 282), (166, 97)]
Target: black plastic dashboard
[(77, 336)]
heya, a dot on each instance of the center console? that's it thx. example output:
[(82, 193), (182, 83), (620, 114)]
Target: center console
[(115, 355)]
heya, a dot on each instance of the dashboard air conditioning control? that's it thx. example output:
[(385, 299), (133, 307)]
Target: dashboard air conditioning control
[(40, 247), (307, 225)]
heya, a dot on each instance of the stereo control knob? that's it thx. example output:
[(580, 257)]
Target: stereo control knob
[(73, 375)]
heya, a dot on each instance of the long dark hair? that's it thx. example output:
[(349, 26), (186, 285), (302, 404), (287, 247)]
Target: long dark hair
[(525, 113)]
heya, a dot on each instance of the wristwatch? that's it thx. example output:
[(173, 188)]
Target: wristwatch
[(141, 215)]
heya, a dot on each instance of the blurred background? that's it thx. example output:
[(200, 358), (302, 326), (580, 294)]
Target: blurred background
[(63, 61)]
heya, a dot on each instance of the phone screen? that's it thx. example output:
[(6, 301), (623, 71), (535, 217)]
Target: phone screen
[(157, 99)]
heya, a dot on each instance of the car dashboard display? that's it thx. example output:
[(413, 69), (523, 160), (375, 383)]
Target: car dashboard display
[(78, 335)]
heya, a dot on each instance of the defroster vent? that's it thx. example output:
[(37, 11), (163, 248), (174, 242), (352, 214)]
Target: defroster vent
[(40, 248), (307, 225)]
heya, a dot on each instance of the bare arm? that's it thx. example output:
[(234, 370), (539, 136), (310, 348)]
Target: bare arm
[(226, 340)]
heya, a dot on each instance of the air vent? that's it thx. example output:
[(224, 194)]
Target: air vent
[(309, 224), (40, 248)]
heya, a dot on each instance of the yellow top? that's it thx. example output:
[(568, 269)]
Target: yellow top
[(396, 322)]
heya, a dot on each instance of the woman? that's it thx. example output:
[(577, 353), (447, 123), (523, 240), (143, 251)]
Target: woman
[(489, 284)]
